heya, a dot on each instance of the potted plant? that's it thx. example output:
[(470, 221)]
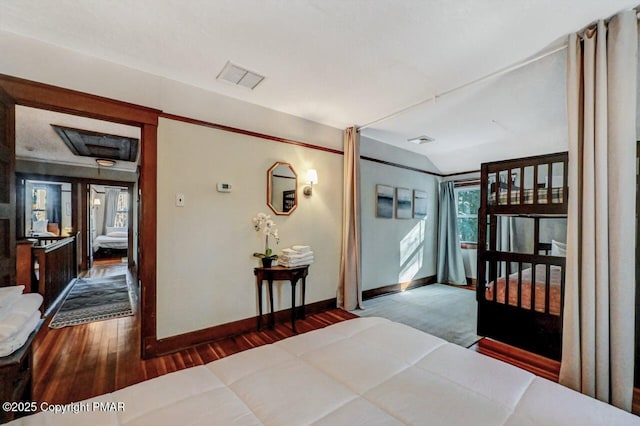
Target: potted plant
[(263, 223)]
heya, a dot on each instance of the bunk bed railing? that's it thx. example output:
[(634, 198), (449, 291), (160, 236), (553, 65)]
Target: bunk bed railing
[(525, 281), (529, 186)]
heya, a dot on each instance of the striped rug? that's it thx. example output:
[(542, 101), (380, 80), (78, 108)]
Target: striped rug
[(95, 299)]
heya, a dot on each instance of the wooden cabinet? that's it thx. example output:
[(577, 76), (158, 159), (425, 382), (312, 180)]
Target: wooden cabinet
[(16, 375)]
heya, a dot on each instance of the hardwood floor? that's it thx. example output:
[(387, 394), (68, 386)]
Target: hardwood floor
[(76, 363)]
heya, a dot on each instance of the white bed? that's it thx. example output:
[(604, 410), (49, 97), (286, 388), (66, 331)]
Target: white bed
[(115, 238), (362, 371), (107, 242)]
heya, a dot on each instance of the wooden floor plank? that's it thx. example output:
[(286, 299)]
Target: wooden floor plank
[(75, 363)]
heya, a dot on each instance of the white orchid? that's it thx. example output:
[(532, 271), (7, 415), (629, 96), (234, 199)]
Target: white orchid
[(263, 222)]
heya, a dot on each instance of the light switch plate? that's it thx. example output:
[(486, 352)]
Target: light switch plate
[(179, 199)]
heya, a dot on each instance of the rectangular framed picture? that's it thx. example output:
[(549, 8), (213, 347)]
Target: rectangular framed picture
[(385, 197), (404, 206), (419, 204)]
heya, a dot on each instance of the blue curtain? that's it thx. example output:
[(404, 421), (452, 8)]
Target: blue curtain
[(450, 265), (54, 204)]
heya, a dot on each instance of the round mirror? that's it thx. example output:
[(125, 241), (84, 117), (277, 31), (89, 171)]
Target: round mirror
[(282, 189)]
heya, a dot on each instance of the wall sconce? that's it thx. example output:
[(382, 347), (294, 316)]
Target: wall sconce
[(312, 179), (96, 202)]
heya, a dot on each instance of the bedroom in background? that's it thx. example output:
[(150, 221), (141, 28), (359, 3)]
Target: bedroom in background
[(109, 224)]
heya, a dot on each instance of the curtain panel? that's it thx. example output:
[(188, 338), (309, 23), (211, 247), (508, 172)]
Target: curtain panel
[(598, 321), (450, 264), (54, 204), (350, 281), (110, 207)]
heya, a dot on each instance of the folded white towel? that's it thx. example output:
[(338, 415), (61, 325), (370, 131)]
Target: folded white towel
[(25, 304), (302, 249), (296, 256), (8, 295), (14, 324), (9, 346), (291, 263)]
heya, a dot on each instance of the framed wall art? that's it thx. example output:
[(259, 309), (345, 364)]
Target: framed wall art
[(385, 200), (404, 206)]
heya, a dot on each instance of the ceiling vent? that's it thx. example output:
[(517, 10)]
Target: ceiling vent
[(239, 76), (421, 139)]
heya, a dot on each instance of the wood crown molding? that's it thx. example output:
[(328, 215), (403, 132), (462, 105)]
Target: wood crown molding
[(247, 132), (400, 166), (40, 95)]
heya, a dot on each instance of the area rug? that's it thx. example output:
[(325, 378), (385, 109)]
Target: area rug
[(444, 311), (95, 299)]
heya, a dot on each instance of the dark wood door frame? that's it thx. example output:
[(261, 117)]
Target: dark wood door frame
[(44, 96), (7, 190)]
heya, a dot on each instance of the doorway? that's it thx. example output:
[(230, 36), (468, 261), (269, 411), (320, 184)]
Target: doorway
[(109, 220)]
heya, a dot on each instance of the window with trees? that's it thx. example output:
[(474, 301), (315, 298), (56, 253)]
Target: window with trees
[(468, 203), (122, 211)]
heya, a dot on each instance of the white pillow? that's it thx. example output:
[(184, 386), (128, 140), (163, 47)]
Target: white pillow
[(39, 226), (118, 234), (558, 248), (111, 229)]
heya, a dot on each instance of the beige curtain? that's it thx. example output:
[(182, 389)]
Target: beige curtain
[(350, 286), (598, 324)]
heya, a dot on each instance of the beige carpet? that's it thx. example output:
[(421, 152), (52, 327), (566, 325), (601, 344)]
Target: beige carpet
[(444, 311)]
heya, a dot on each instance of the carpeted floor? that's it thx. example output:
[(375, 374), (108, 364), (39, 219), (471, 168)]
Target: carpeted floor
[(95, 299), (444, 311)]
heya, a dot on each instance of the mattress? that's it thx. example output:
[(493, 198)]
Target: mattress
[(104, 241), (527, 195), (555, 289), (362, 371)]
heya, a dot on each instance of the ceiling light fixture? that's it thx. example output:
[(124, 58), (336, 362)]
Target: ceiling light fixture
[(105, 162), (235, 74), (421, 139)]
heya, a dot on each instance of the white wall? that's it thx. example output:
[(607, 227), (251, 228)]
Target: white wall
[(205, 264), (395, 250), (23, 57), (204, 260)]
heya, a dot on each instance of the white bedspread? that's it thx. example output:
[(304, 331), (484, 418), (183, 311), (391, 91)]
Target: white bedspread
[(104, 241), (364, 371)]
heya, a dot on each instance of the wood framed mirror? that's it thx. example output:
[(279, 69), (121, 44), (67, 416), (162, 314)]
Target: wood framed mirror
[(282, 189)]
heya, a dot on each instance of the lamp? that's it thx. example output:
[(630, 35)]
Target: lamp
[(312, 179), (96, 201)]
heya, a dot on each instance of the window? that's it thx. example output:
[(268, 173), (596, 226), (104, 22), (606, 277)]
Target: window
[(39, 204), (468, 203), (122, 211)]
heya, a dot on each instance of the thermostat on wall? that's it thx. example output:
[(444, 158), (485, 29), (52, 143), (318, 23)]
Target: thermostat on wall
[(224, 187)]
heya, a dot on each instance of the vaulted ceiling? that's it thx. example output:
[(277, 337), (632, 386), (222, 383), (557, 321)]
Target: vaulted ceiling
[(351, 62)]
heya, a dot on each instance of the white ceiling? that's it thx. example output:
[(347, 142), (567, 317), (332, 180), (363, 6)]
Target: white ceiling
[(344, 62), (37, 141)]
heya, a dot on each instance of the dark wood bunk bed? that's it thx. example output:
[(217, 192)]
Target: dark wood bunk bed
[(520, 295)]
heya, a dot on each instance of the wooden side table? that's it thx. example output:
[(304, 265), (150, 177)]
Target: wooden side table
[(281, 273)]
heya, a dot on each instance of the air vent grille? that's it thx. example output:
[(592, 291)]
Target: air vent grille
[(235, 74), (421, 139)]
